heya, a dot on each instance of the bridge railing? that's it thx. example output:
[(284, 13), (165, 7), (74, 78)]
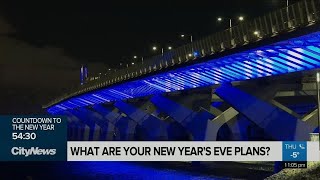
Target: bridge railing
[(300, 14)]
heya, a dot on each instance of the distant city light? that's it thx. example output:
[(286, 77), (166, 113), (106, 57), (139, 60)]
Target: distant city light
[(189, 55), (135, 57), (169, 47), (219, 19), (241, 18), (256, 32), (132, 63), (154, 48), (182, 35), (109, 69)]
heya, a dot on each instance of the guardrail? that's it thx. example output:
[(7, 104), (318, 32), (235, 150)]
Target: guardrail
[(300, 14)]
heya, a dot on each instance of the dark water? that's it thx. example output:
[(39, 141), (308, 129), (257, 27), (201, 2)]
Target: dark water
[(122, 170), (94, 170)]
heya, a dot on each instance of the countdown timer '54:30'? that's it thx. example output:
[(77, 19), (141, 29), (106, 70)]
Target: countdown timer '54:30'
[(24, 136)]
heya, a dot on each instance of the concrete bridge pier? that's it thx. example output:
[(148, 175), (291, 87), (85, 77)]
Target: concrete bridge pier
[(90, 129), (105, 130), (74, 126), (71, 128), (79, 129), (150, 127), (276, 122), (76, 132), (124, 126), (189, 111), (83, 132), (72, 131)]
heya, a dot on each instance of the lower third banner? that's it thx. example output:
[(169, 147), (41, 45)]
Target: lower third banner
[(193, 151)]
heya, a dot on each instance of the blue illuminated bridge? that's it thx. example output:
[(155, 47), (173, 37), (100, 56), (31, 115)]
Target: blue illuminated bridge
[(254, 81)]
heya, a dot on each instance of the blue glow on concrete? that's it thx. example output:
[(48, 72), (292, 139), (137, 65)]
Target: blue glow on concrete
[(293, 55)]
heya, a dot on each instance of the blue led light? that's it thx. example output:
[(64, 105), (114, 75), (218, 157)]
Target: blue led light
[(297, 54), (195, 54)]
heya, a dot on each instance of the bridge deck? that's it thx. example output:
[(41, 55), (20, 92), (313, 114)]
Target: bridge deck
[(298, 54), (293, 55)]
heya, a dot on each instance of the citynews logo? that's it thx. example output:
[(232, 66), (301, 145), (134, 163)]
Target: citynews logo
[(21, 151)]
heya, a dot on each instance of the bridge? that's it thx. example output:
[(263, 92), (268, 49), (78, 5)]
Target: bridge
[(254, 81)]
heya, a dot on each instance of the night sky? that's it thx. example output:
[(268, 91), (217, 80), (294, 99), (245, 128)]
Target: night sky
[(43, 45)]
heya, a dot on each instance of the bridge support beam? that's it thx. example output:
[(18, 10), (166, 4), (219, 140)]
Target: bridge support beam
[(218, 122), (279, 124), (75, 126), (104, 129), (196, 123), (311, 118), (73, 130), (89, 127), (124, 125), (155, 128)]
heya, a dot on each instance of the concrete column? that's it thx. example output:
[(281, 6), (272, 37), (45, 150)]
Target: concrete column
[(215, 124), (74, 132), (97, 133), (87, 134), (91, 128), (71, 131), (102, 129), (81, 135), (278, 123), (125, 127), (196, 123), (74, 124), (155, 128), (311, 118)]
